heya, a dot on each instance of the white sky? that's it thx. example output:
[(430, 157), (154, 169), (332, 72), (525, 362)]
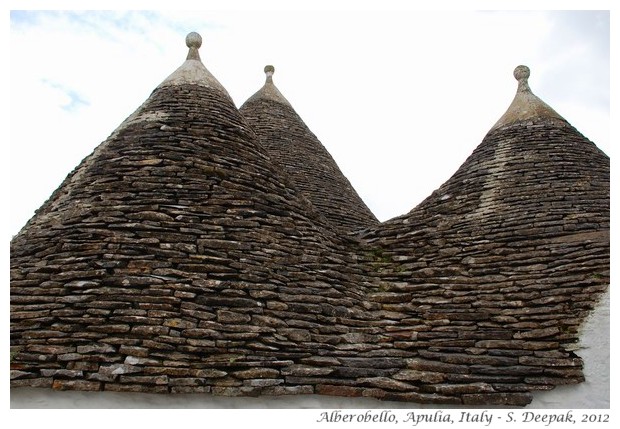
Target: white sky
[(400, 97)]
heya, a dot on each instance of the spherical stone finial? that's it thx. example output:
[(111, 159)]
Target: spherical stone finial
[(521, 73), (193, 40), (269, 69)]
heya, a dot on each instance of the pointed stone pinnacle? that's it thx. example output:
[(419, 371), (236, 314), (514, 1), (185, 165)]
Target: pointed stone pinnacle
[(193, 41), (526, 106), (522, 73)]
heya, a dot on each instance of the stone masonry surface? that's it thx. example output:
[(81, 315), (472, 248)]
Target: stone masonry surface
[(309, 165), (203, 249)]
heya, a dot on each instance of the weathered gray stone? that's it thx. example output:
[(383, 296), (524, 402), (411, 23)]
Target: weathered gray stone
[(256, 373), (190, 389), (287, 390), (550, 362), (96, 348), (387, 383), (186, 381), (139, 388), (32, 382), (135, 360), (263, 382), (504, 399), (208, 373), (118, 369), (306, 370), (537, 333), (459, 389), (179, 323), (225, 316), (145, 379), (419, 376), (24, 374), (236, 391), (61, 373), (346, 391), (76, 385)]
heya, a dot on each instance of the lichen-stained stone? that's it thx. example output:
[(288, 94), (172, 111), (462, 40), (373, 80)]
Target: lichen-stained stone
[(186, 255)]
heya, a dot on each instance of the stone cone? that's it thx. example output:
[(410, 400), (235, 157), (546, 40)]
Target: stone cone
[(511, 251), (177, 258), (313, 171)]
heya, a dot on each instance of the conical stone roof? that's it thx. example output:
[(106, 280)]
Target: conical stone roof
[(177, 258), (292, 145), (509, 254), (532, 164)]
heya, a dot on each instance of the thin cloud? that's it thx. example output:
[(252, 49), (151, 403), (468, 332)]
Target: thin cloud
[(70, 99)]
